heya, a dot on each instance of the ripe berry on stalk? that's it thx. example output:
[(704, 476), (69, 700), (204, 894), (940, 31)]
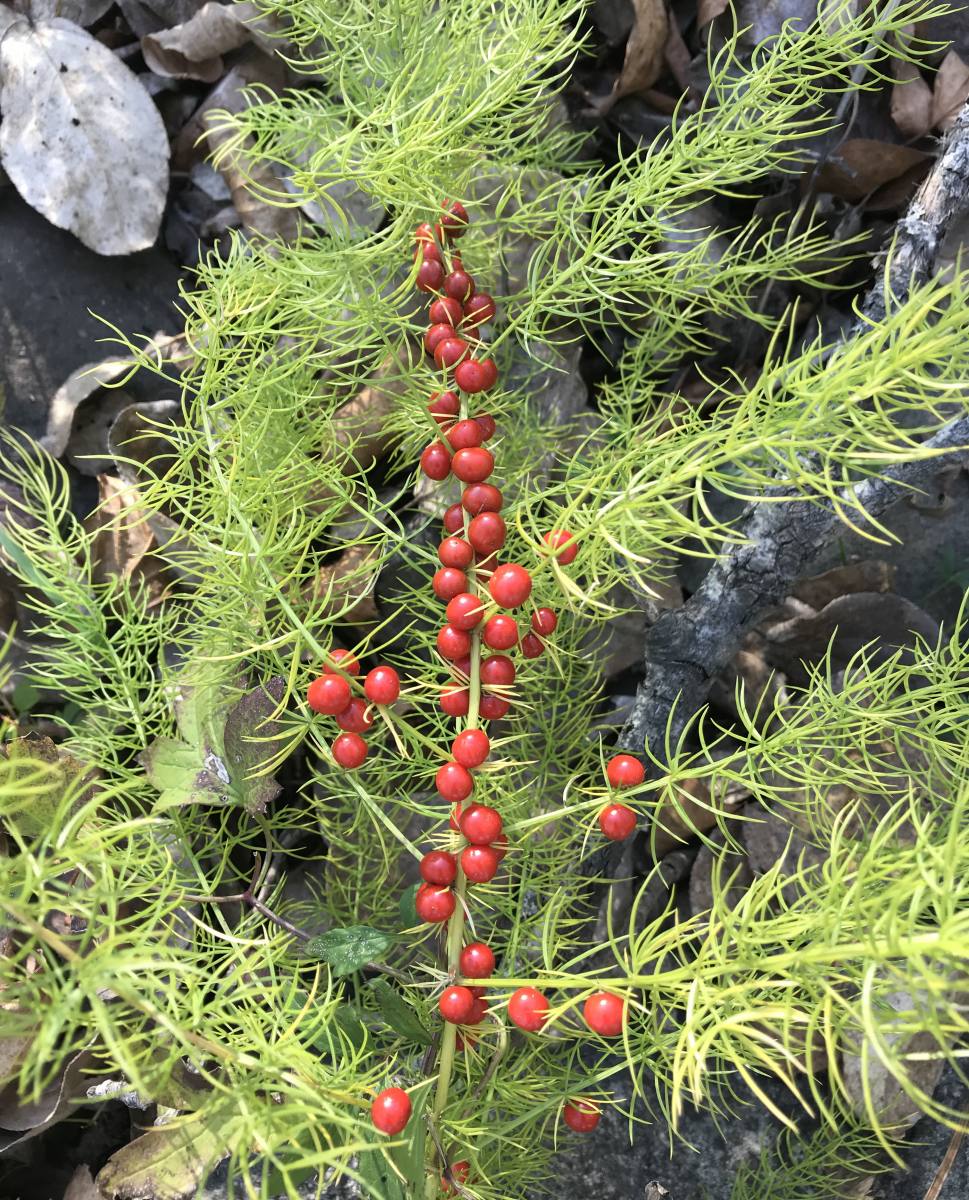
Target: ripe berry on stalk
[(471, 747), (455, 701), (480, 824), (430, 275), (449, 582), (492, 707), (479, 1011), (434, 904), (435, 335), (486, 533), (349, 751), (558, 537), (482, 497), (424, 233), (617, 822), (465, 434), (449, 351), (443, 406), (464, 611), (479, 863), (582, 1116), (437, 866), (544, 621), (454, 782), (473, 465), (454, 219), (382, 685), (459, 1173), (532, 646), (488, 426), (463, 664), (625, 771), (510, 585), (605, 1013), (390, 1110), (500, 632), (497, 670), (453, 643), (528, 1009), (455, 552), (456, 1004), (426, 252), (477, 961), (454, 519), (329, 694), (446, 311), (459, 285), (476, 375), (500, 845), (436, 461), (355, 718), (479, 310), (345, 660)]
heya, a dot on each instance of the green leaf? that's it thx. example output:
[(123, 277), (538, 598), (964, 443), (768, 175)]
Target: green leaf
[(398, 1014), (378, 1177), (167, 1163), (348, 949), (408, 908)]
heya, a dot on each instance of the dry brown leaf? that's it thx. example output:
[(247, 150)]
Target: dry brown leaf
[(870, 576), (644, 51), (677, 55), (911, 101), (861, 166), (194, 50), (82, 1186), (351, 577), (709, 10), (951, 90), (123, 537), (693, 812)]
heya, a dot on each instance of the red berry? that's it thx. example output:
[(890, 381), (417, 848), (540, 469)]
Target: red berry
[(456, 1004), (479, 863), (454, 219), (454, 820), (482, 497), (510, 585), (459, 285), (488, 426), (349, 751), (605, 1013), (544, 621), (345, 660), (329, 694), (462, 1041), (465, 434), (463, 664), (436, 461), (497, 670), (493, 708), (476, 375), (477, 961), (430, 275), (449, 582), (625, 771), (455, 701), (486, 533), (435, 335), (443, 406), (471, 747), (424, 233), (449, 351), (355, 718), (479, 310), (437, 866), (434, 903), (446, 311), (500, 845), (480, 824), (532, 646), (582, 1116), (455, 552), (500, 632), (454, 782), (459, 1173), (454, 519), (382, 685), (453, 643), (617, 821), (427, 252), (390, 1110), (558, 537), (478, 1012), (464, 611), (528, 1009), (473, 465)]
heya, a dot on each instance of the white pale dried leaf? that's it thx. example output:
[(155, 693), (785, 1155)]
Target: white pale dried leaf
[(81, 139), (81, 12)]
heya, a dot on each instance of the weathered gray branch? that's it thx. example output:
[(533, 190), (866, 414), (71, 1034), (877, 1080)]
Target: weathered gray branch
[(689, 646)]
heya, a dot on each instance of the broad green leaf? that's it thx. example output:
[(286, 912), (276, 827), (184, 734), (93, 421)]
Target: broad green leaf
[(348, 949), (166, 1163), (378, 1177), (410, 1156), (38, 778), (398, 1014), (408, 908)]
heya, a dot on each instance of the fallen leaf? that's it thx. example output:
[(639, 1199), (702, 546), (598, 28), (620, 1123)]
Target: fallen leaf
[(194, 49), (166, 1163), (709, 10), (78, 386), (124, 538), (677, 55), (351, 578), (49, 773), (860, 166), (951, 90), (81, 139), (148, 16), (763, 20), (19, 1122), (644, 52), (82, 1186), (872, 575), (81, 12), (911, 105)]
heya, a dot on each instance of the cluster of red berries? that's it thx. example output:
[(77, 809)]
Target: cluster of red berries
[(331, 694), (617, 821)]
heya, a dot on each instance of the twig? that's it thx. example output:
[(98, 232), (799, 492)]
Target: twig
[(687, 647), (945, 1166)]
